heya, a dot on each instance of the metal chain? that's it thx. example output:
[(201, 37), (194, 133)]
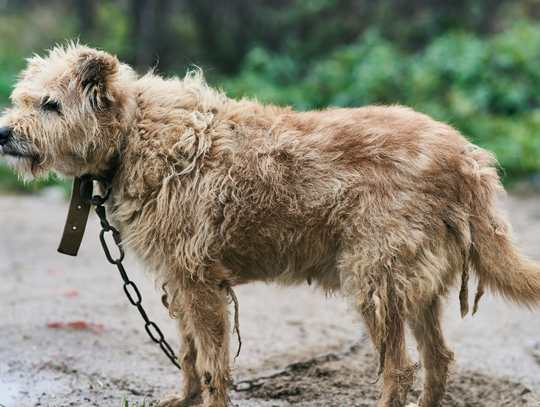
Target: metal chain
[(151, 327), (129, 286), (254, 384)]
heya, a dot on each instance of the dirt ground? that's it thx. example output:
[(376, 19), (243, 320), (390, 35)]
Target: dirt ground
[(298, 339)]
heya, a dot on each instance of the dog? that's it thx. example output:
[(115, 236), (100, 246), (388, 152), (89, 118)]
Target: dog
[(382, 204)]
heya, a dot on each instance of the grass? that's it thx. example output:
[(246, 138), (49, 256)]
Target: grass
[(125, 403)]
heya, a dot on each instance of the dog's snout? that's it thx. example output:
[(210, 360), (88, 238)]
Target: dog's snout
[(5, 135)]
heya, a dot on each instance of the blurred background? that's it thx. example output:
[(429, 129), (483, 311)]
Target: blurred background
[(474, 64)]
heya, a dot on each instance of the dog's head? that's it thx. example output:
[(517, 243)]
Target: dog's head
[(69, 111)]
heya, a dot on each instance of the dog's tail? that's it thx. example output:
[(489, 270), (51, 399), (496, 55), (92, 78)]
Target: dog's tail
[(498, 263)]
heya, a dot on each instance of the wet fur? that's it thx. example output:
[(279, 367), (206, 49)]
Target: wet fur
[(382, 204)]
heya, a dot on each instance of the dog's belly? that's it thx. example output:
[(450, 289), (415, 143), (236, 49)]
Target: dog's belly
[(294, 266)]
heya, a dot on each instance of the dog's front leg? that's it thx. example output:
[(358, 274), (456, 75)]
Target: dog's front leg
[(204, 303), (187, 356), (190, 389), (203, 327)]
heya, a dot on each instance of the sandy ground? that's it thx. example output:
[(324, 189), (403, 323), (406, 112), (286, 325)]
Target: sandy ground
[(44, 365)]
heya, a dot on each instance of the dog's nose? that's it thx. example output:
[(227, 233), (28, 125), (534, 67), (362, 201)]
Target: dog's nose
[(5, 135)]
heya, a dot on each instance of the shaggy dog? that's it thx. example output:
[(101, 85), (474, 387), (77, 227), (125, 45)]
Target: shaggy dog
[(382, 204)]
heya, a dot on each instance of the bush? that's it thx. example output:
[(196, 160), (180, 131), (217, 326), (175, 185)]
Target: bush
[(488, 88)]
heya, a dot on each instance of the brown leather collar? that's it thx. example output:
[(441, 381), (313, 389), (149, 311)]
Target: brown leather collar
[(79, 209), (76, 220)]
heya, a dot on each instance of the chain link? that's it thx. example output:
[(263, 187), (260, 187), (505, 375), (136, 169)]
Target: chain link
[(151, 328)]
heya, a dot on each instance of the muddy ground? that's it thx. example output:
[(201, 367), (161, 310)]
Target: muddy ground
[(105, 353)]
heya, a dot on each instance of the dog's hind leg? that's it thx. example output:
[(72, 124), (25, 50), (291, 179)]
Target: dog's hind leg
[(398, 370), (435, 354)]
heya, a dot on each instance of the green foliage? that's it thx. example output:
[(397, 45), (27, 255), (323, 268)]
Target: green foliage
[(10, 182), (441, 58), (112, 30), (487, 87), (23, 33)]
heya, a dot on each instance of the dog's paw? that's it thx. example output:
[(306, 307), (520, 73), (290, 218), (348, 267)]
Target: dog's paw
[(408, 405), (177, 401)]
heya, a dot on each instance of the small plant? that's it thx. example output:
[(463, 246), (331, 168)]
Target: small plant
[(125, 403)]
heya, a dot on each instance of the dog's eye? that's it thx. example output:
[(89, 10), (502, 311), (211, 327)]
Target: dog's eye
[(50, 105)]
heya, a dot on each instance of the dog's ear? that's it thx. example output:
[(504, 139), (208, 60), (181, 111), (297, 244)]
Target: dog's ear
[(95, 71)]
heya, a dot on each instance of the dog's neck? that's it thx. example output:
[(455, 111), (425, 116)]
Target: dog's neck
[(132, 106), (112, 165), (106, 177)]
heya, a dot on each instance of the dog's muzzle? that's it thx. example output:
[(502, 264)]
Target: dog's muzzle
[(5, 135)]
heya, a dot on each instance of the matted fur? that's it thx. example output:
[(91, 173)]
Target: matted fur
[(382, 204)]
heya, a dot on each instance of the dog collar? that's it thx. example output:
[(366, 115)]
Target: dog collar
[(77, 218), (79, 208)]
